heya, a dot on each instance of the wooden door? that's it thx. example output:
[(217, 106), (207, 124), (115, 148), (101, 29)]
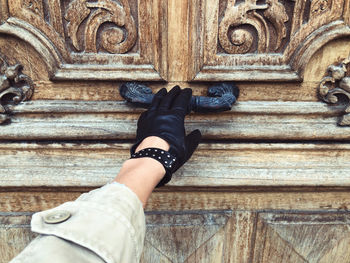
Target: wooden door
[(269, 183)]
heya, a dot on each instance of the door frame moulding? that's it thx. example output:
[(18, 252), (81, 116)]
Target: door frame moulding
[(116, 120), (69, 164)]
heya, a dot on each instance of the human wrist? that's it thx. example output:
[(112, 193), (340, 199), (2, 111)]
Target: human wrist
[(147, 167), (153, 142), (141, 176)]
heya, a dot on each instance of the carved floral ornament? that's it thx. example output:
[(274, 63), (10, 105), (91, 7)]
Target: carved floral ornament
[(262, 22), (268, 40), (248, 40), (15, 87), (336, 85), (90, 39), (241, 40), (117, 39)]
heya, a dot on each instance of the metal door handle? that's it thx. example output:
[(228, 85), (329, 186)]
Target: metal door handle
[(220, 97)]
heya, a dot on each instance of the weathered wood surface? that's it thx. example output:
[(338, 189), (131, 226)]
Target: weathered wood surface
[(45, 89), (212, 209), (15, 234), (35, 67), (210, 236), (67, 120), (115, 127), (203, 40), (257, 41), (77, 164), (180, 199), (299, 237), (132, 45), (241, 107)]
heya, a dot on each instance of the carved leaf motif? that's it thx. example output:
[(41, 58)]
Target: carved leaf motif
[(245, 14), (113, 39), (15, 87), (276, 13), (336, 84), (76, 13)]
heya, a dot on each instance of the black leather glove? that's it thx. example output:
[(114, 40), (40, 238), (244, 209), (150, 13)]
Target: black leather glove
[(165, 119)]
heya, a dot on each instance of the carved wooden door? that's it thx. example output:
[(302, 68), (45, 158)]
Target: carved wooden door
[(269, 183)]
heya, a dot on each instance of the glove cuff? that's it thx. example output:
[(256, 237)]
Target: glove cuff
[(167, 159)]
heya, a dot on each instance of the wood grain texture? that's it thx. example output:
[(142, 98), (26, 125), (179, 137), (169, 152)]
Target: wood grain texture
[(177, 40), (211, 251), (175, 199), (301, 237), (4, 13), (347, 12), (179, 237), (257, 199), (108, 91), (72, 120), (123, 127), (215, 236), (239, 237), (70, 164), (15, 234), (241, 107)]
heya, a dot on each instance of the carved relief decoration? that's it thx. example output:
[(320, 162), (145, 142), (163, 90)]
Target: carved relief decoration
[(262, 40), (15, 87), (245, 14), (113, 39), (335, 88), (90, 39)]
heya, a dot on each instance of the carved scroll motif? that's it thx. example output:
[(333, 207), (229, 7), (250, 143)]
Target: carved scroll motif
[(15, 87), (238, 17), (337, 85), (119, 38)]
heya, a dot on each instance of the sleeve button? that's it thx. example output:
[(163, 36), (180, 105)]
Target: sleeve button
[(57, 217)]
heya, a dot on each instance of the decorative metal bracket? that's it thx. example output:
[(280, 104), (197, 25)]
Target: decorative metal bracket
[(335, 88), (15, 87), (221, 96)]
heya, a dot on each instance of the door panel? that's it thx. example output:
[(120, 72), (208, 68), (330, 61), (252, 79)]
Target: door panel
[(222, 236), (269, 183)]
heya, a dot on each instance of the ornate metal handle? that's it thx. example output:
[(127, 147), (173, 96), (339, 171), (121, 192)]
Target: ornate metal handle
[(221, 96)]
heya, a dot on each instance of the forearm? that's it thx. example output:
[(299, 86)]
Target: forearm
[(143, 174)]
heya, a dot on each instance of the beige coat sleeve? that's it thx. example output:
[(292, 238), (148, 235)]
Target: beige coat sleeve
[(104, 225)]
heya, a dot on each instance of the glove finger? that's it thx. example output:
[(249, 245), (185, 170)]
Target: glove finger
[(157, 98), (191, 141), (168, 99), (182, 101)]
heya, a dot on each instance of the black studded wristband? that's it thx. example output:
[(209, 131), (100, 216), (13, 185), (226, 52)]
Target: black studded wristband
[(164, 157)]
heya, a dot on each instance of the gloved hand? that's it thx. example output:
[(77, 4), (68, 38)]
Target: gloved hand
[(165, 119)]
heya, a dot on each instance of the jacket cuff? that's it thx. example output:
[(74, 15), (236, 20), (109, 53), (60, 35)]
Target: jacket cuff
[(109, 221)]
